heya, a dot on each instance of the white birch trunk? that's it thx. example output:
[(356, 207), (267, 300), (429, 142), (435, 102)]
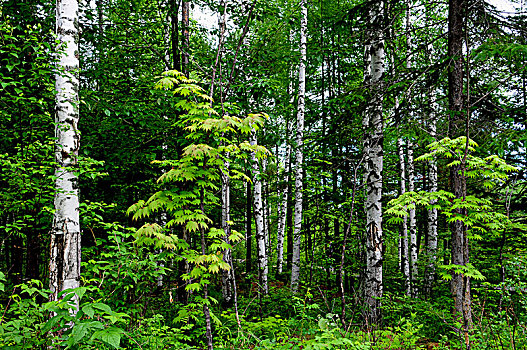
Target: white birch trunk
[(412, 225), (285, 197), (405, 266), (287, 165), (297, 230), (265, 210), (263, 268), (431, 249), (65, 258), (373, 154)]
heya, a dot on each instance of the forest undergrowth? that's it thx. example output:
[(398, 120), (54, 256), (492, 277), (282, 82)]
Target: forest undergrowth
[(123, 307)]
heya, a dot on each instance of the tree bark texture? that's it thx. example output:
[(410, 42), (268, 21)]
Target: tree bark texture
[(248, 230), (185, 40), (431, 248), (174, 33), (373, 155), (412, 223), (405, 261), (299, 155), (263, 268), (460, 284), (65, 255), (287, 167)]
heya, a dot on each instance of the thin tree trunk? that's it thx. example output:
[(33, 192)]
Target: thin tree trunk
[(263, 268), (227, 280), (412, 223), (285, 199), (248, 230), (206, 311), (431, 249), (185, 40), (373, 155), (174, 33), (411, 167), (265, 211), (405, 266), (295, 267), (65, 257)]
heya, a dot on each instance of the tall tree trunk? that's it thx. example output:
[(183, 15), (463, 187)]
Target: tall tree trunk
[(458, 126), (431, 248), (287, 172), (404, 252), (65, 256), (265, 211), (185, 40), (373, 155), (227, 275), (263, 268), (412, 224), (206, 311), (248, 230), (174, 33), (297, 231), (283, 211)]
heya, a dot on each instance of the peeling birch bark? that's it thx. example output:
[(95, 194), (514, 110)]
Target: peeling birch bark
[(65, 250), (263, 268), (412, 224), (287, 165), (297, 228), (373, 155)]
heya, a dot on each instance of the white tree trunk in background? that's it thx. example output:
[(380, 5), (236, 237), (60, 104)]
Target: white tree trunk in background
[(65, 254), (263, 268), (285, 197), (405, 266), (297, 230), (412, 225), (287, 167), (265, 211), (373, 154), (431, 249)]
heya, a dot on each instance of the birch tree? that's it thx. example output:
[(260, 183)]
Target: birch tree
[(263, 268), (283, 206), (412, 290), (287, 165), (227, 280), (297, 230), (404, 258), (65, 255), (431, 248), (412, 224), (373, 155)]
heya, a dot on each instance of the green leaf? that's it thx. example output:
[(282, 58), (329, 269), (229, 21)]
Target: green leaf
[(102, 307), (110, 335), (88, 310)]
